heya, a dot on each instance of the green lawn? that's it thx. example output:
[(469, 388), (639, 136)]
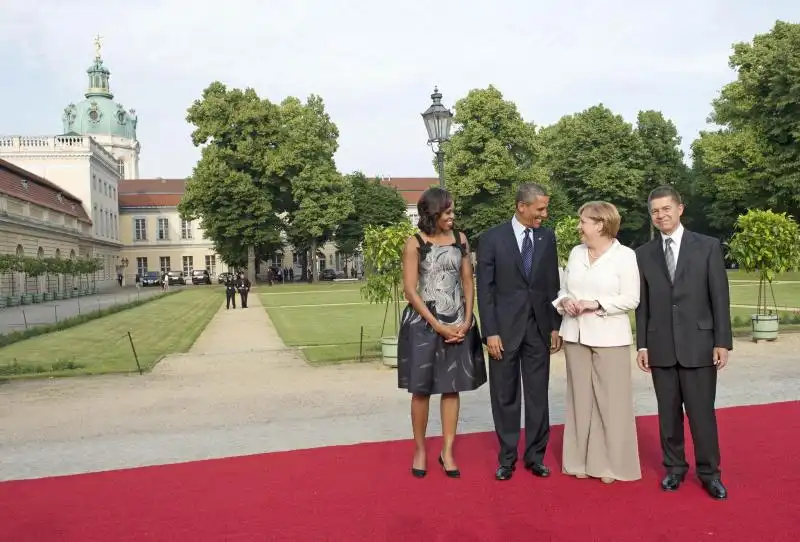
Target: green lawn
[(161, 327), (326, 320)]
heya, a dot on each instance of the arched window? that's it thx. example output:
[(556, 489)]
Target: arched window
[(71, 254), (40, 253), (58, 254), (20, 251)]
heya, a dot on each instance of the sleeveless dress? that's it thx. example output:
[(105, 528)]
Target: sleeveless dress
[(426, 364)]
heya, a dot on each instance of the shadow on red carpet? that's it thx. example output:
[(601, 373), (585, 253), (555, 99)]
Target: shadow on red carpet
[(364, 492)]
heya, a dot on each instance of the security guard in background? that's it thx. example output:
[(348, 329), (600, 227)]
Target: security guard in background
[(230, 292), (243, 285)]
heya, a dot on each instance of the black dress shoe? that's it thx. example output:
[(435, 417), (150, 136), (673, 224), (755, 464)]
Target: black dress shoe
[(504, 472), (538, 469), (418, 473), (454, 473), (716, 489), (672, 482)]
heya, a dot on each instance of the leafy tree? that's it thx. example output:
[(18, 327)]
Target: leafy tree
[(232, 189), (374, 204), (596, 155), (754, 160), (265, 169), (489, 155), (567, 237), (321, 198)]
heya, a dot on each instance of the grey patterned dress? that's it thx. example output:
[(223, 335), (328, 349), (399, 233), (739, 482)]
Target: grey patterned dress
[(425, 363)]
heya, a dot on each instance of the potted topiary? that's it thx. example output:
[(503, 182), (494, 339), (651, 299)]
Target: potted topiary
[(766, 243), (383, 263)]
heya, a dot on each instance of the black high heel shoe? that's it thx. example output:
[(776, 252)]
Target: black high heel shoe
[(455, 473), (418, 473)]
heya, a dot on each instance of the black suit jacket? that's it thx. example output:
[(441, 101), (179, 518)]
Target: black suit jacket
[(506, 296), (683, 322)]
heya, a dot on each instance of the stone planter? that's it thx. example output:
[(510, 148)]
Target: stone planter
[(59, 295), (27, 299), (389, 351), (3, 302), (765, 327), (38, 298), (13, 301)]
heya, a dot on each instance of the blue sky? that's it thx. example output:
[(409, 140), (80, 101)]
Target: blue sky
[(374, 62)]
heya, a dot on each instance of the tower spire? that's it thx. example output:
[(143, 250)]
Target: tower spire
[(98, 74)]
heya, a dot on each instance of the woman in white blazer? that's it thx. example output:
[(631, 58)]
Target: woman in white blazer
[(600, 286)]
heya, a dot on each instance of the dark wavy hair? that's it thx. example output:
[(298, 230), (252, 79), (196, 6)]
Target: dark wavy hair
[(432, 203)]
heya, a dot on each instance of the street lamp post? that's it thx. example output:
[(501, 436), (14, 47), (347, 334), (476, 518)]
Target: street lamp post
[(438, 120)]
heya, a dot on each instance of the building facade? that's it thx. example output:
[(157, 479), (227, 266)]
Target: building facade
[(39, 219), (155, 237)]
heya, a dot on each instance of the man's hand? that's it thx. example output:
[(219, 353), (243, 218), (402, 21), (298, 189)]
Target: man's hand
[(642, 361), (555, 342), (720, 357), (495, 346)]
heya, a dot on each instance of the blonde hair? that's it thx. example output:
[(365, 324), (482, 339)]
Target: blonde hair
[(604, 213)]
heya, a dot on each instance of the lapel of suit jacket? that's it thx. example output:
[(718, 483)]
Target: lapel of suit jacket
[(658, 254), (539, 244), (687, 247), (513, 247)]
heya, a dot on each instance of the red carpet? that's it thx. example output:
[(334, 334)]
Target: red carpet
[(365, 493)]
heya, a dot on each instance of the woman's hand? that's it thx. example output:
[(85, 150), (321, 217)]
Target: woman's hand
[(585, 305), (571, 307), (451, 334)]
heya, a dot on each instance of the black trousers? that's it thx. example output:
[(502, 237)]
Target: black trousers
[(695, 389), (243, 294), (530, 361), (230, 298)]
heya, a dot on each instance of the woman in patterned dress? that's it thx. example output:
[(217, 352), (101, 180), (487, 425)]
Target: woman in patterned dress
[(439, 346)]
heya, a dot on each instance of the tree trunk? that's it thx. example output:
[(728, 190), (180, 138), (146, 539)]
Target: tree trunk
[(314, 261), (251, 264)]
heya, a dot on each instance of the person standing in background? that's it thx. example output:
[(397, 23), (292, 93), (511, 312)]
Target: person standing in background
[(230, 292), (243, 285)]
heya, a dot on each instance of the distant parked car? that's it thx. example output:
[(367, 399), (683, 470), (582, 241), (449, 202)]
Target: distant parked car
[(151, 278), (176, 277), (222, 277), (201, 276), (327, 274)]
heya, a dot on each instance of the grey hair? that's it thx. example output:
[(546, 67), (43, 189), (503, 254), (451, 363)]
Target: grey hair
[(664, 191), (527, 192)]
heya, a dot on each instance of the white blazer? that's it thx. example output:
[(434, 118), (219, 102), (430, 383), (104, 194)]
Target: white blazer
[(612, 281)]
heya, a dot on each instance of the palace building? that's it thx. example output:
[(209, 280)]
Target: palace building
[(78, 195)]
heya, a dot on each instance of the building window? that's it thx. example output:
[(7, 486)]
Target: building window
[(139, 229), (163, 229), (141, 266), (188, 264), (121, 168), (164, 260), (211, 264), (186, 229)]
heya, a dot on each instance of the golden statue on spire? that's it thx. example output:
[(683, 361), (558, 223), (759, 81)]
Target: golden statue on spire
[(97, 46)]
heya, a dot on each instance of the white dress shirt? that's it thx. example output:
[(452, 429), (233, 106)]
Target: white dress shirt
[(612, 281), (519, 232), (676, 237)]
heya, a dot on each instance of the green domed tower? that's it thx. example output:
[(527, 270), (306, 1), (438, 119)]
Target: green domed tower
[(105, 120)]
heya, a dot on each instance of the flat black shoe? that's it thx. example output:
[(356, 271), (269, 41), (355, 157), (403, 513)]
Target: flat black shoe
[(455, 473), (418, 473), (504, 472), (672, 482), (538, 469), (716, 489)]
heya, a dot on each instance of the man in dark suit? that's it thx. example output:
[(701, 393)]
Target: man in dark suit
[(517, 281), (683, 334)]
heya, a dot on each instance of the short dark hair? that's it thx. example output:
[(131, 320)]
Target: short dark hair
[(432, 203), (664, 191), (527, 192)]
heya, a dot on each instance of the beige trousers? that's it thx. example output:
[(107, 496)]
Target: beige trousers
[(600, 428)]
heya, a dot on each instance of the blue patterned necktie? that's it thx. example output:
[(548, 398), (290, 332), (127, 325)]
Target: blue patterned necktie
[(527, 252)]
